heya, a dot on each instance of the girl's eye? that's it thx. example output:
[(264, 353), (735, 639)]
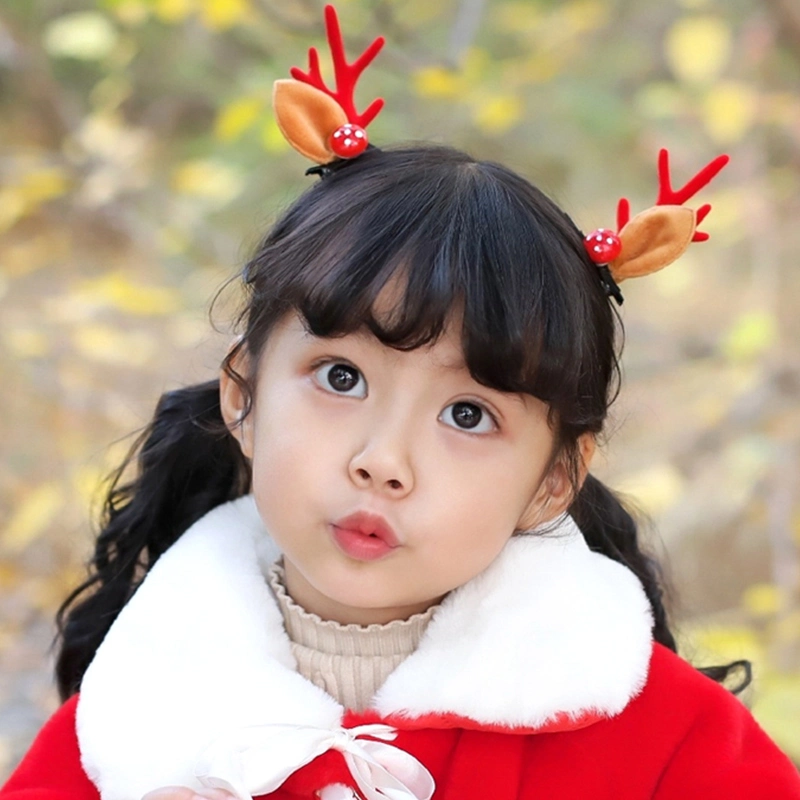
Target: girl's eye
[(468, 417), (342, 379)]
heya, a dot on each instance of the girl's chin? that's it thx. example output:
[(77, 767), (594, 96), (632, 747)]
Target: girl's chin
[(363, 608), (360, 596)]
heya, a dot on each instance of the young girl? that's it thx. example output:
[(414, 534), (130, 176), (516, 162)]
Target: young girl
[(370, 560)]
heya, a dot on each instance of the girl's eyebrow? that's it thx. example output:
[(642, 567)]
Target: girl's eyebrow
[(456, 364)]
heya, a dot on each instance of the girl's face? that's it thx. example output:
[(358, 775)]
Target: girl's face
[(388, 478)]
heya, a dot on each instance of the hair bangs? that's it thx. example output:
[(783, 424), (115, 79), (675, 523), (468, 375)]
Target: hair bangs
[(401, 289), (407, 242)]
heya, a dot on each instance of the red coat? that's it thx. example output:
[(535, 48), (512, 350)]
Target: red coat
[(561, 696)]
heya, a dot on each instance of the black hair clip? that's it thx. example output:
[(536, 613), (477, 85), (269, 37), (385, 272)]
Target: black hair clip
[(324, 170), (609, 284)]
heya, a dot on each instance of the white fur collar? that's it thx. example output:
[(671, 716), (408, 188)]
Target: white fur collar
[(549, 631)]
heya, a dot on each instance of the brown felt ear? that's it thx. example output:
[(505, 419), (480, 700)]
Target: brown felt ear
[(307, 117), (653, 240)]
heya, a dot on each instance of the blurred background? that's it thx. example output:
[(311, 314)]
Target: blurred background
[(140, 162)]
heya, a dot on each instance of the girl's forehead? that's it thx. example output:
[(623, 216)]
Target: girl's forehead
[(391, 296)]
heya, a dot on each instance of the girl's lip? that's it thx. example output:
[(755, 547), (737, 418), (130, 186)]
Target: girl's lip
[(364, 536), (369, 524)]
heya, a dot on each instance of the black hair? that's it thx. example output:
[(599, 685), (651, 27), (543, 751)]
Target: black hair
[(466, 240)]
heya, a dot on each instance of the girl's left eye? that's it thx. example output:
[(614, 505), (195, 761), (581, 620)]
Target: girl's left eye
[(468, 417), (341, 378)]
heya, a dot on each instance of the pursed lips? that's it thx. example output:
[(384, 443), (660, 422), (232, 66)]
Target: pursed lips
[(369, 524)]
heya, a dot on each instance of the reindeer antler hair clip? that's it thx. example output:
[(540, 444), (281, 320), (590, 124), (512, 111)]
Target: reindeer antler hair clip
[(324, 125), (654, 238), (320, 123)]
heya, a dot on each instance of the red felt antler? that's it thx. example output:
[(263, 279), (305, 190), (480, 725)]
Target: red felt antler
[(346, 75), (669, 196), (654, 238)]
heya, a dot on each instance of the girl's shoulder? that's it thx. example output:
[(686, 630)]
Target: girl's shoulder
[(673, 683), (51, 769), (704, 734), (683, 737)]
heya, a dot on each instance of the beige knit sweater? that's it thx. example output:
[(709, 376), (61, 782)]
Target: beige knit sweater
[(349, 662)]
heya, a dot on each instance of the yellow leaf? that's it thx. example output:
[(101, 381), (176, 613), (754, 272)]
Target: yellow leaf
[(89, 484), (440, 82), (655, 489), (763, 599), (698, 48), (34, 188), (498, 114), (518, 16), (721, 644), (86, 35), (34, 513), (12, 207), (271, 137), (208, 179), (777, 709), (27, 342), (729, 111), (45, 593), (10, 575), (236, 117), (221, 14), (752, 334), (585, 15), (40, 185), (115, 289), (174, 10), (108, 345), (437, 82)]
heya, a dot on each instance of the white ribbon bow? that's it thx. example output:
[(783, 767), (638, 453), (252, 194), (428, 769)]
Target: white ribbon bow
[(258, 759)]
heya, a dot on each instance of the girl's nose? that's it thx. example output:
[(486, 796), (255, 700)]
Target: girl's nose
[(382, 467)]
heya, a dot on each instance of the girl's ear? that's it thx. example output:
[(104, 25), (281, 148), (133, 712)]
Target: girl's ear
[(556, 492), (232, 403)]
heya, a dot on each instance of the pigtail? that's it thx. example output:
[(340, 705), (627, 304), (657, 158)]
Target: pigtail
[(187, 463), (610, 529)]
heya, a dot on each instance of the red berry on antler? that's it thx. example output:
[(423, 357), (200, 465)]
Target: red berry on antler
[(603, 246), (349, 141)]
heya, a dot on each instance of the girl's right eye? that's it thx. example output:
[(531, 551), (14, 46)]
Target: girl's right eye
[(340, 378)]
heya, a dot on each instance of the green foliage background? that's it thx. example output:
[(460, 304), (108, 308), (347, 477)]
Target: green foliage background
[(140, 162)]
